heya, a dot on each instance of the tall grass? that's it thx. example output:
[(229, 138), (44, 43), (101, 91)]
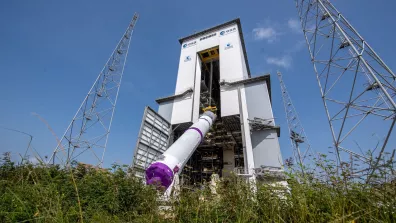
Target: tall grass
[(37, 193)]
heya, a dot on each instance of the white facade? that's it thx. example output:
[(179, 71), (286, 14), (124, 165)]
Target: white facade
[(232, 68), (246, 100)]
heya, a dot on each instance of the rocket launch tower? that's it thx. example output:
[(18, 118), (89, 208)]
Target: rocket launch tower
[(214, 73)]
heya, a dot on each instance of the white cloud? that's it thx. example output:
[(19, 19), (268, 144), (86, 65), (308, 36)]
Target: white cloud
[(284, 61), (294, 25), (298, 46), (268, 33)]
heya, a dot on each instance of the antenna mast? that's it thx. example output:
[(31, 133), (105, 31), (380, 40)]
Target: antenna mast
[(299, 141), (357, 87), (86, 136)]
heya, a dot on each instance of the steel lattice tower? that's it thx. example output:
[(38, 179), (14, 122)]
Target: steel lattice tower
[(86, 136), (357, 87), (299, 141)]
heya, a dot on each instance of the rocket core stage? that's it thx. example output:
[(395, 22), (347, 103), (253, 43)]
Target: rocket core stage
[(162, 171)]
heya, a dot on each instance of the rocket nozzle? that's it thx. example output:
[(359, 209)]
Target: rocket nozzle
[(160, 175)]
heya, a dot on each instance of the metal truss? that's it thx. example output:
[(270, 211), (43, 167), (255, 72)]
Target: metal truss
[(357, 87), (86, 136), (299, 141)]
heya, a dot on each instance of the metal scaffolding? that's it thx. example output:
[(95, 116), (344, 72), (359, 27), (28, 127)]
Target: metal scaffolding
[(85, 138), (357, 87), (299, 141)]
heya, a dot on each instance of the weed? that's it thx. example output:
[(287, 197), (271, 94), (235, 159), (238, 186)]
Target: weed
[(39, 193)]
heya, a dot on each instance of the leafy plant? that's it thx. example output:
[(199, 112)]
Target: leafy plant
[(39, 193)]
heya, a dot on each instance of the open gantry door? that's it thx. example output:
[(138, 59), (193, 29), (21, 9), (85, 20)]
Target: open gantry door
[(152, 140)]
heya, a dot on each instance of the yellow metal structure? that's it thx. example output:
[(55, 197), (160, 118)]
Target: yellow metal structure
[(209, 54), (210, 108)]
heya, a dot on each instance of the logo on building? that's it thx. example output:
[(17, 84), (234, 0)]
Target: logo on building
[(227, 31), (188, 58), (207, 37), (228, 46), (186, 45)]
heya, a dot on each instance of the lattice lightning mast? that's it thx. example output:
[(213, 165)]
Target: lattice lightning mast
[(357, 87), (86, 136), (299, 141)]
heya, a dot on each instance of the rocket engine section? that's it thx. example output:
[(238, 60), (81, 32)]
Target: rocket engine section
[(162, 171)]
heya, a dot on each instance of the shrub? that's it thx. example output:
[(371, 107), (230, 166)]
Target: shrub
[(38, 193)]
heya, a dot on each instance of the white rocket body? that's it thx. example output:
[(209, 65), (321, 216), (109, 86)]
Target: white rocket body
[(172, 160)]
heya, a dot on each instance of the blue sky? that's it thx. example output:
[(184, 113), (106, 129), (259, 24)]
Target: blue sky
[(52, 51)]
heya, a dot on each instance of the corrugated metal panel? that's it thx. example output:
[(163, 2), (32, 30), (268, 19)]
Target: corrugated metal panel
[(152, 141), (265, 142)]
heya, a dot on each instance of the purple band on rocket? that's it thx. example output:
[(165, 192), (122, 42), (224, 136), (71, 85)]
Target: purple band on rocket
[(159, 174), (199, 131), (202, 118)]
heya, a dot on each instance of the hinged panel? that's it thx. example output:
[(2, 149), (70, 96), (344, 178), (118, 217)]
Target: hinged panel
[(152, 140)]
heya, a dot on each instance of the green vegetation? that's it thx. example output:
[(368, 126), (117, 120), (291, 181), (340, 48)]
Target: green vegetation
[(35, 193)]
